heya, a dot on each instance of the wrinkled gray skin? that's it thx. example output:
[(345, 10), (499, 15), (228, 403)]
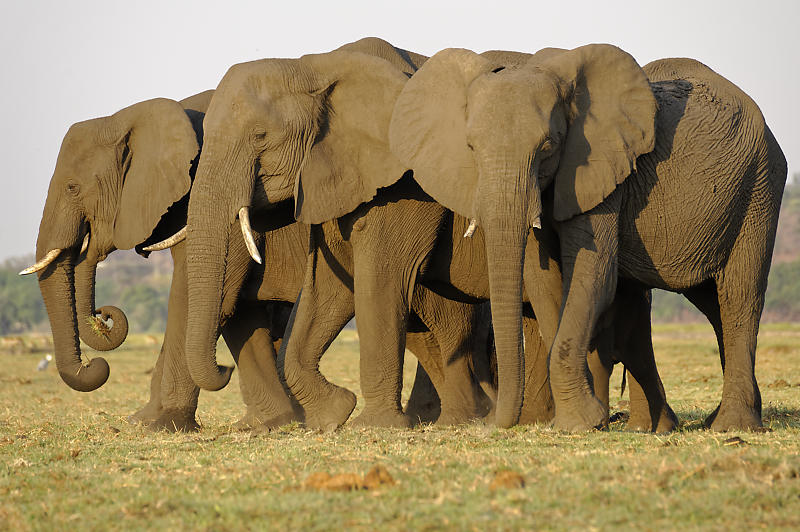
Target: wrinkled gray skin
[(315, 129), (567, 128)]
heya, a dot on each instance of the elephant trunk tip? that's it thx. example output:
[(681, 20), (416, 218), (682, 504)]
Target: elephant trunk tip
[(214, 381), (85, 378)]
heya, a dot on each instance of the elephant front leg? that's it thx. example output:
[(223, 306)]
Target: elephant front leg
[(150, 412), (381, 315), (178, 392), (589, 252), (323, 308), (250, 342)]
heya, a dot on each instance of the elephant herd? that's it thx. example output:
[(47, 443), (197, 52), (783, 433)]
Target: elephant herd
[(502, 215)]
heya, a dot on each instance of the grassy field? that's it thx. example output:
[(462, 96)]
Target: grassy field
[(69, 460)]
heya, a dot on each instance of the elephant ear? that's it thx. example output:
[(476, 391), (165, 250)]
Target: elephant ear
[(429, 127), (158, 143), (611, 122), (349, 159)]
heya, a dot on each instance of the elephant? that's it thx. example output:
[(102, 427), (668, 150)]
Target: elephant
[(672, 181), (315, 130), (105, 166), (121, 182)]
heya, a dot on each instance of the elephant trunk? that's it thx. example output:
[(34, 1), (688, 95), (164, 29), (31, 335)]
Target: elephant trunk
[(93, 329), (504, 220), (57, 284), (207, 242)]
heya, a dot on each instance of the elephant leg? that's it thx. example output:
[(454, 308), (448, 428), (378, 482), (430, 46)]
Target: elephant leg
[(250, 341), (741, 299), (600, 368), (704, 298), (423, 403), (537, 406), (382, 307), (178, 392), (149, 412), (323, 308), (456, 328), (589, 248), (649, 410)]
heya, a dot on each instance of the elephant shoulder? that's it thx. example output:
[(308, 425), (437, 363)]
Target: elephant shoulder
[(406, 61)]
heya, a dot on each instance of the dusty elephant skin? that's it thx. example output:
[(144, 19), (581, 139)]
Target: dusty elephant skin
[(568, 128), (270, 119)]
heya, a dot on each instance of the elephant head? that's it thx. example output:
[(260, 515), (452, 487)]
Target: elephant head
[(486, 138), (314, 129), (115, 178)]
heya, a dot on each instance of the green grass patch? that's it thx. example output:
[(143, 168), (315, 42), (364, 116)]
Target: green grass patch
[(70, 460)]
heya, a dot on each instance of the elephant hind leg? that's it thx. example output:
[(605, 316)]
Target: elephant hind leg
[(741, 304), (537, 405), (740, 290), (250, 341), (458, 349), (423, 403)]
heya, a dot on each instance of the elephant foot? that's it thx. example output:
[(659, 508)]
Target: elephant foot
[(742, 417), (581, 415), (459, 415), (642, 422), (175, 420), (536, 414), (331, 411), (389, 418), (259, 421), (426, 412), (146, 415)]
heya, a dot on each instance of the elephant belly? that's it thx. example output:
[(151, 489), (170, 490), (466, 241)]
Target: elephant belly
[(677, 230)]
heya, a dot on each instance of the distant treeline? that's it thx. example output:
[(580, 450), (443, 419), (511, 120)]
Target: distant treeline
[(141, 286)]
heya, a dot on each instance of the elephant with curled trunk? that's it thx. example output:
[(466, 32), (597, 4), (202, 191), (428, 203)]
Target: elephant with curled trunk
[(121, 182), (316, 129), (671, 182)]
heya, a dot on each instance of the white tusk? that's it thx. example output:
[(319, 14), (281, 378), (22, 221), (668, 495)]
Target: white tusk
[(168, 242), (247, 232), (471, 229), (85, 244), (42, 264), (537, 223)]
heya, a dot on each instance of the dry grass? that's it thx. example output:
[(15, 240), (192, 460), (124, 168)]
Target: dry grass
[(69, 460)]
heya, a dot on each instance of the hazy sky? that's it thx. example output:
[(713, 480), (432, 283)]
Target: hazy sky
[(63, 62)]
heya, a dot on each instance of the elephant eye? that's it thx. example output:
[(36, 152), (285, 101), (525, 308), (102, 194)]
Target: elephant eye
[(73, 188)]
